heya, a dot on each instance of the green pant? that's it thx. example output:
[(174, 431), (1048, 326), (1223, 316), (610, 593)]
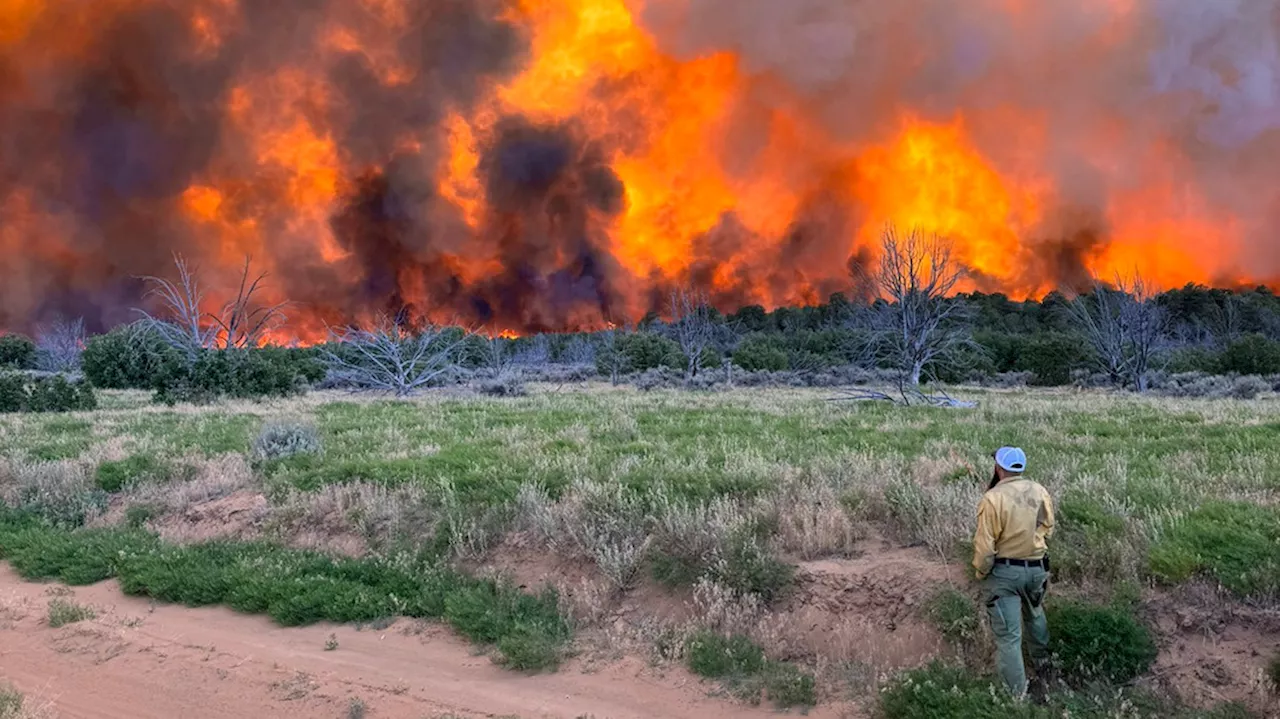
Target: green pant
[(1015, 595)]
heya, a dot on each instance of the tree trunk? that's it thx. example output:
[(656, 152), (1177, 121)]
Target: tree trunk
[(917, 369)]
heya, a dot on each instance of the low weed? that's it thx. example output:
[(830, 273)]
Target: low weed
[(63, 612), (331, 643), (742, 665), (356, 709)]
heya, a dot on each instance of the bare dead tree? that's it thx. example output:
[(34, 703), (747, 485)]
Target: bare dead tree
[(244, 323), (579, 351), (59, 346), (533, 352), (388, 357), (694, 328), (185, 328), (497, 356), (919, 324), (1126, 328), (240, 323)]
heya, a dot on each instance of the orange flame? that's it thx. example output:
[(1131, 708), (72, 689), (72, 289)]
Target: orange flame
[(734, 175)]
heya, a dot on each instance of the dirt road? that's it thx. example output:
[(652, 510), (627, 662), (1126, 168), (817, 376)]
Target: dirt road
[(140, 660)]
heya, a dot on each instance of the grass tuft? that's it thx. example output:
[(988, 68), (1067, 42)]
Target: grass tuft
[(63, 612)]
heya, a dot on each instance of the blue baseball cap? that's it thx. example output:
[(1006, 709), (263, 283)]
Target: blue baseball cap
[(1011, 459)]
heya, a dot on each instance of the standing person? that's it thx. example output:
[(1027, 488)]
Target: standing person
[(1010, 555)]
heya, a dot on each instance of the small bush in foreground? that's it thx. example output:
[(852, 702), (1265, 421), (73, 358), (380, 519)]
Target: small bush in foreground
[(1099, 642), (954, 615), (1273, 671), (1238, 544), (63, 612), (742, 663), (278, 440)]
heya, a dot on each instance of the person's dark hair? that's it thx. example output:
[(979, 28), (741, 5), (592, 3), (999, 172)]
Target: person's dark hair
[(995, 473)]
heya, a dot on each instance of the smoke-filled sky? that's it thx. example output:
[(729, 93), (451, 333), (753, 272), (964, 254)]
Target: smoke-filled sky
[(556, 164)]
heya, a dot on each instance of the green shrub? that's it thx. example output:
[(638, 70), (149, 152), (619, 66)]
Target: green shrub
[(716, 656), (640, 351), (137, 515), (748, 567), (1251, 355), (787, 686), (1051, 357), (127, 357), (115, 475), (240, 374), (23, 393), (1185, 360), (1099, 642), (742, 663), (1273, 670), (17, 352), (954, 614), (761, 353), (1236, 543), (63, 612)]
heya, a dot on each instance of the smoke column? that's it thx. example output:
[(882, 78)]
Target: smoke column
[(557, 165)]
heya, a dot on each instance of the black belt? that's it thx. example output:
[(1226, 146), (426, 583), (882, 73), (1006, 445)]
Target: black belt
[(1041, 562)]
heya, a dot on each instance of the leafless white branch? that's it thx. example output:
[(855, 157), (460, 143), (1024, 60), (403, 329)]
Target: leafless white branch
[(59, 346), (390, 358)]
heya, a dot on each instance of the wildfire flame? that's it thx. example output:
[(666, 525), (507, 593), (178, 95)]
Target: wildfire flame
[(561, 164)]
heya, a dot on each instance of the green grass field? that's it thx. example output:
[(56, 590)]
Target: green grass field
[(732, 486)]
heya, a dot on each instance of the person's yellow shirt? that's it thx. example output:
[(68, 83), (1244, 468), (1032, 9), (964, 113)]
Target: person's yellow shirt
[(1015, 517)]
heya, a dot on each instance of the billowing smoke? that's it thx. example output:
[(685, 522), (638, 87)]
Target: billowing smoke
[(564, 165)]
